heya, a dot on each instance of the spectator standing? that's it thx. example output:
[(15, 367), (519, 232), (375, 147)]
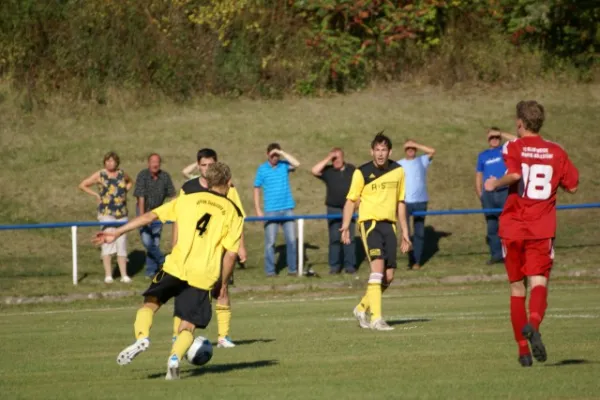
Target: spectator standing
[(337, 177), (113, 184), (273, 178), (415, 171), (152, 187), (490, 164)]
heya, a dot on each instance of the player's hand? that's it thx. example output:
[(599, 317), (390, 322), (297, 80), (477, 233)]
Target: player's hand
[(275, 152), (104, 237), (242, 254), (345, 234), (406, 244), (490, 184), (410, 143), (331, 155)]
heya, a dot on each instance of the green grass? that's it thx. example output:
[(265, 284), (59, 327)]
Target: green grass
[(46, 155), (448, 343)]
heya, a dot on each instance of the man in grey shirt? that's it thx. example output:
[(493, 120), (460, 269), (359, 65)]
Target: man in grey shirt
[(152, 187)]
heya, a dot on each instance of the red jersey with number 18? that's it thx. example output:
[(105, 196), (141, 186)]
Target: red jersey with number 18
[(530, 210)]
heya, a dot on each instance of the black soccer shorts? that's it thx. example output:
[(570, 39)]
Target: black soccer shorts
[(191, 304), (380, 241)]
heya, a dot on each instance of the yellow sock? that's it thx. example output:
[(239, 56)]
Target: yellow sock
[(183, 342), (363, 306), (223, 319), (374, 296), (143, 323), (176, 322)]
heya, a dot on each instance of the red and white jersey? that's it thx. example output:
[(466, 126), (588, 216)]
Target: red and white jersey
[(544, 166)]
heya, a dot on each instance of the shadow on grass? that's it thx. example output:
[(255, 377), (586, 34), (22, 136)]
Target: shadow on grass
[(407, 321), (564, 363), (249, 341), (222, 368), (136, 260), (281, 256)]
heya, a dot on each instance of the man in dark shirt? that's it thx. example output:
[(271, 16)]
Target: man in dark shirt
[(337, 177), (152, 187)]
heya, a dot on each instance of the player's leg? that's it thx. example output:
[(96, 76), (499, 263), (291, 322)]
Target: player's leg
[(361, 310), (419, 235), (223, 311), (390, 251), (271, 229), (513, 262), (291, 245)]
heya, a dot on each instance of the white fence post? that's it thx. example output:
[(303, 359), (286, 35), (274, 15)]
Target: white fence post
[(300, 247), (74, 251)]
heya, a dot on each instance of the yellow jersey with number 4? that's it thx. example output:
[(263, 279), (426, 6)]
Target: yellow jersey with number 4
[(207, 223)]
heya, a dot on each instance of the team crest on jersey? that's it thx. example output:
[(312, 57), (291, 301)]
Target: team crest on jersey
[(372, 176)]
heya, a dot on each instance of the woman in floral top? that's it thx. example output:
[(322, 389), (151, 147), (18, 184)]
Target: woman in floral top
[(113, 185)]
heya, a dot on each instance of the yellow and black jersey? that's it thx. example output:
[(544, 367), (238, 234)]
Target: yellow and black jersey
[(379, 191), (208, 224), (193, 186)]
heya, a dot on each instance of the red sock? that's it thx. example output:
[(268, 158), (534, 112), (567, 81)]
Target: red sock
[(537, 305), (518, 317)]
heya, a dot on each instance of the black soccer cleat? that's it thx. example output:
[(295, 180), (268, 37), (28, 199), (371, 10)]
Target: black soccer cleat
[(526, 360), (535, 340)]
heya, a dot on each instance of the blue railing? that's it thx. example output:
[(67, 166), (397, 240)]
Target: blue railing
[(282, 219)]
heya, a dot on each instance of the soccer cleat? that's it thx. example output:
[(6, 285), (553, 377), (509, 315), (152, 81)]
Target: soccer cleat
[(526, 360), (108, 279), (381, 325), (535, 340), (126, 279), (363, 319), (172, 368), (225, 343), (130, 352)]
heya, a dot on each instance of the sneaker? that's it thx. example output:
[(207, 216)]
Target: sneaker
[(172, 368), (130, 352), (225, 343), (363, 319), (108, 279), (126, 279), (526, 360), (381, 325), (535, 341)]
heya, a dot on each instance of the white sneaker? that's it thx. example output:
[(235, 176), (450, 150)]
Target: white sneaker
[(363, 319), (108, 279), (381, 325), (130, 352), (225, 343), (126, 279), (172, 368)]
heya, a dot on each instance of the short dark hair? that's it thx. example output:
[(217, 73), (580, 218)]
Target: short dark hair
[(380, 138), (113, 155), (154, 154), (532, 114), (272, 147), (206, 153)]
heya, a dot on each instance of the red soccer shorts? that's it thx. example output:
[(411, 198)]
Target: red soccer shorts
[(527, 258)]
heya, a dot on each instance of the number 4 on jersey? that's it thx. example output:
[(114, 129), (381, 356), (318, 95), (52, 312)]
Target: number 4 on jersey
[(202, 224), (536, 180)]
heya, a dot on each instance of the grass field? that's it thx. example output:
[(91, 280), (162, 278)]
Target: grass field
[(47, 154), (448, 343)]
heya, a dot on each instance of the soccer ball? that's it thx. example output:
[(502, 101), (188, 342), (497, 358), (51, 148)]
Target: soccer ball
[(200, 352)]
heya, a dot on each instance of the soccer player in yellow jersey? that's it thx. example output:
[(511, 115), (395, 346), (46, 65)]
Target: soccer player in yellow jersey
[(206, 157), (209, 224), (379, 186)]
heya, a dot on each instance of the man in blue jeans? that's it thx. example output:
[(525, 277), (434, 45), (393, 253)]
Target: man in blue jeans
[(273, 178), (152, 187), (416, 198), (491, 164)]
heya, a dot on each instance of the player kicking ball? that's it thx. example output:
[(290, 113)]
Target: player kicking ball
[(379, 185), (536, 168), (209, 224)]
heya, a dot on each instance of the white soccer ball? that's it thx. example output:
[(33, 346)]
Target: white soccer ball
[(200, 352)]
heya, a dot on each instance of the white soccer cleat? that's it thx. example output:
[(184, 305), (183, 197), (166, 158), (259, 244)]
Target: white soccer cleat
[(126, 279), (130, 352), (108, 279), (172, 368), (225, 343), (363, 319), (381, 325)]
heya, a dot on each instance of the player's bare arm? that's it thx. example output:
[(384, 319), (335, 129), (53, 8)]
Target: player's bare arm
[(504, 135), (346, 219), (492, 183), (405, 244), (257, 208), (229, 260), (290, 158), (478, 184), (317, 170), (242, 254), (430, 151), (88, 182), (138, 222)]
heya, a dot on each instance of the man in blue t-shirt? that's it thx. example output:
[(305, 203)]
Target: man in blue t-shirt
[(491, 164), (416, 198), (273, 178)]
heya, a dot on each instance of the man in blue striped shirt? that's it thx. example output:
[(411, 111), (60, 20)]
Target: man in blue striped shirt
[(273, 178)]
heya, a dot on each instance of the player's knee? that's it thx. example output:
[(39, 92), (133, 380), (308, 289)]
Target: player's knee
[(518, 289), (186, 326), (376, 277), (152, 303), (538, 280)]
